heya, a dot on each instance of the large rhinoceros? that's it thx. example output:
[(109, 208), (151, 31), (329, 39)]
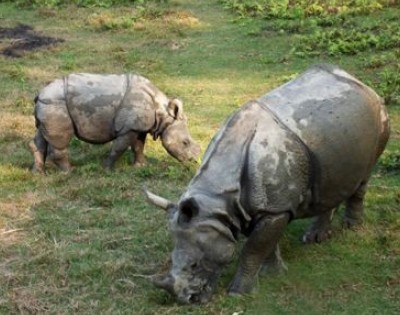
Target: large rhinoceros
[(298, 151), (101, 108)]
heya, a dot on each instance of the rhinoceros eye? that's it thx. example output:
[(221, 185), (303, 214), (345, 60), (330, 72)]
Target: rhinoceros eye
[(194, 265), (186, 142), (191, 267)]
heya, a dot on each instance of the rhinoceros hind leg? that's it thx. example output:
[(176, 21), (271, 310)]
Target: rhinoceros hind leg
[(261, 244), (274, 263), (137, 145), (60, 158), (320, 230), (355, 208), (118, 147), (38, 146)]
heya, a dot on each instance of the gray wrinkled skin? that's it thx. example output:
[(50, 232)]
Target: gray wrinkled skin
[(298, 151), (102, 108)]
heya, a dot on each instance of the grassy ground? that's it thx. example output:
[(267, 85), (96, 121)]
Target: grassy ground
[(86, 242)]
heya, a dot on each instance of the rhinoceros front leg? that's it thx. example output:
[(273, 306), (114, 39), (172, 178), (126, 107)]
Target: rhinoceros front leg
[(274, 262), (320, 230), (38, 146), (355, 207), (261, 243), (137, 145), (118, 147)]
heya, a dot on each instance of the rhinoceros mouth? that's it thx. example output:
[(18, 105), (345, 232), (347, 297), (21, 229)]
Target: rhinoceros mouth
[(195, 299), (191, 290), (200, 294), (200, 297)]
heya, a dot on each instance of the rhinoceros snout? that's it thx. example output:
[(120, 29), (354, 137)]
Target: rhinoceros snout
[(184, 295), (184, 153), (195, 153), (187, 297)]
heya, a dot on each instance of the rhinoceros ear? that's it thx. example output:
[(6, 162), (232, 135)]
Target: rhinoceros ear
[(188, 209), (175, 108)]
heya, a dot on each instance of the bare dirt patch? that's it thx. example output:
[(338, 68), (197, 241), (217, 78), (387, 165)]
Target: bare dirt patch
[(22, 38)]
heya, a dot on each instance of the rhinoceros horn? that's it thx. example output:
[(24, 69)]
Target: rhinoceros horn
[(164, 282), (158, 201)]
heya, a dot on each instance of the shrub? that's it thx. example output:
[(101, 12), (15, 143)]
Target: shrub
[(388, 85), (291, 9), (81, 3), (389, 162), (340, 41), (385, 78)]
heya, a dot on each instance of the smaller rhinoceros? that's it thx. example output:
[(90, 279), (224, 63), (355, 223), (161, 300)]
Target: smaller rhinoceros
[(103, 108), (296, 152)]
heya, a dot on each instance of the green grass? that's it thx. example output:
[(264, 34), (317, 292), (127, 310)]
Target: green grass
[(86, 242)]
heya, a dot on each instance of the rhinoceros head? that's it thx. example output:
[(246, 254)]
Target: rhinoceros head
[(176, 138), (203, 246)]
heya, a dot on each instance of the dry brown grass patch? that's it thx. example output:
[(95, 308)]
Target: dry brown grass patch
[(25, 301), (15, 210), (17, 125), (181, 18), (40, 74)]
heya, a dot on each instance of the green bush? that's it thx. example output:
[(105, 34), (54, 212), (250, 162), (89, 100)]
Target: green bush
[(304, 8), (344, 41), (331, 28), (388, 85), (81, 3), (385, 78), (389, 162)]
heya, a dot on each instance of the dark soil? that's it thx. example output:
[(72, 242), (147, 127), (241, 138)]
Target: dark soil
[(24, 38)]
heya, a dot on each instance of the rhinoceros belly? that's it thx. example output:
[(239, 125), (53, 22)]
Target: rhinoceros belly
[(93, 101), (338, 119)]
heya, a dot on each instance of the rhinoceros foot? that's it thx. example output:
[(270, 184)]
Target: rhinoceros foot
[(275, 268), (352, 223), (274, 264), (139, 164), (62, 163), (243, 282), (37, 170), (236, 288), (316, 235), (320, 230)]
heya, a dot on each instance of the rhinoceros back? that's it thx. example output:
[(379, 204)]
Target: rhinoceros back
[(340, 121), (93, 101)]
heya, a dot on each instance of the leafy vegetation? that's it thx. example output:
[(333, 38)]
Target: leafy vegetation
[(390, 162), (304, 8), (87, 242), (332, 28), (80, 3), (349, 41)]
